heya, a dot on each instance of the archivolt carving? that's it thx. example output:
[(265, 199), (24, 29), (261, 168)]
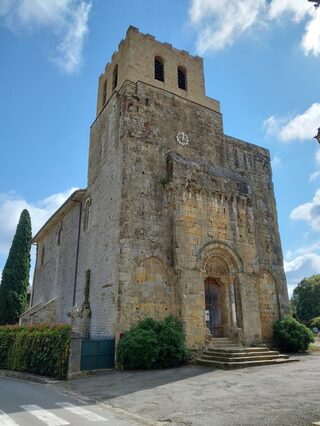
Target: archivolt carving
[(223, 259), (216, 266)]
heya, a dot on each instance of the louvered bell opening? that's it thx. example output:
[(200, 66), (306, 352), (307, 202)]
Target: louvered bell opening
[(115, 77), (182, 84), (158, 70)]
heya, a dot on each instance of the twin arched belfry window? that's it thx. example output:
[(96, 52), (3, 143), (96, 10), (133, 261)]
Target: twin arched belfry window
[(159, 73)]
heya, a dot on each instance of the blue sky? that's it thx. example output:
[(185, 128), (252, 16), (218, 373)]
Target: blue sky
[(262, 61)]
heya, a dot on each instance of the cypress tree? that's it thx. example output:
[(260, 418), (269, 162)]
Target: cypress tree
[(15, 275)]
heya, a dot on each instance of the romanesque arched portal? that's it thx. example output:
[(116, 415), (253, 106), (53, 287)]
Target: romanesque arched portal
[(221, 267)]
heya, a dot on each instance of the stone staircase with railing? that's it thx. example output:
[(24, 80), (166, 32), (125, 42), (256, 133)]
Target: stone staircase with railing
[(223, 353)]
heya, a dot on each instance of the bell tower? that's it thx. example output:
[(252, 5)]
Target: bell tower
[(170, 195), (140, 57)]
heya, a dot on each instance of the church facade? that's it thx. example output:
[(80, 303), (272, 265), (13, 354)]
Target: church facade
[(177, 218)]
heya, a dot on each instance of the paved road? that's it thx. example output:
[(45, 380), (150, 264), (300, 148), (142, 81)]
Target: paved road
[(280, 395), (23, 404)]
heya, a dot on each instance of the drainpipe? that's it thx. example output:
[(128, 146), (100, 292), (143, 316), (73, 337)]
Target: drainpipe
[(77, 254)]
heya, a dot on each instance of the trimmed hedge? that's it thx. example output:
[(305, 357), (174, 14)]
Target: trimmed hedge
[(41, 349), (153, 344), (290, 335)]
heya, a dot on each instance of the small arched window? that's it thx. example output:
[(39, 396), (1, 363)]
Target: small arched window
[(182, 78), (158, 68), (104, 93), (86, 214), (115, 77)]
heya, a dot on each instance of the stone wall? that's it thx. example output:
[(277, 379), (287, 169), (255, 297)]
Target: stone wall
[(54, 275), (99, 244), (178, 200), (40, 313)]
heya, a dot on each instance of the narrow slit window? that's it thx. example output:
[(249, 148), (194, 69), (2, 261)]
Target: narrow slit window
[(104, 95), (115, 77), (87, 288), (86, 215), (182, 78), (42, 255), (60, 234), (158, 68)]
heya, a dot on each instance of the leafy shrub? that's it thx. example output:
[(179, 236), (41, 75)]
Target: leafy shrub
[(315, 322), (153, 344), (171, 343), (291, 336), (41, 349)]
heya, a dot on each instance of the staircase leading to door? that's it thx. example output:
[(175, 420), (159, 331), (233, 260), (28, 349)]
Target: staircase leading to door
[(223, 353)]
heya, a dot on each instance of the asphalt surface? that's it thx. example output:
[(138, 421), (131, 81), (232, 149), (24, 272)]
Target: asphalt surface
[(23, 403), (280, 395)]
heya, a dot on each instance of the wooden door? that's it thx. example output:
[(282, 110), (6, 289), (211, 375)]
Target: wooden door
[(213, 305)]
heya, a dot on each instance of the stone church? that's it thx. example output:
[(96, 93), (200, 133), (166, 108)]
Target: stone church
[(177, 218)]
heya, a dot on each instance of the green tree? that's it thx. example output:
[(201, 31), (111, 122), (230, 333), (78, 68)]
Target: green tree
[(315, 322), (15, 275), (306, 299)]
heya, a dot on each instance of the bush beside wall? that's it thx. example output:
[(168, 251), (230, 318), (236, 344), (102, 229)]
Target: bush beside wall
[(41, 349), (289, 335), (153, 344)]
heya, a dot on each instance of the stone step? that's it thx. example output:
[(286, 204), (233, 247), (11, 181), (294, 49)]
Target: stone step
[(243, 359), (224, 346), (238, 354), (236, 349), (221, 341), (235, 365)]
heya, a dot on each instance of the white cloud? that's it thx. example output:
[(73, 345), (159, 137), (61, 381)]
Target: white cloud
[(297, 8), (298, 262), (70, 48), (276, 161), (309, 212), (11, 207), (300, 267), (219, 23), (67, 19), (311, 39), (300, 127), (314, 176)]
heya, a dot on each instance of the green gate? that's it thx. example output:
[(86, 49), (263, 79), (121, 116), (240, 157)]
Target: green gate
[(97, 354)]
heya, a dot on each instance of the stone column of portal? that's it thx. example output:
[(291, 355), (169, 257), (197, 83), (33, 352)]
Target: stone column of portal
[(233, 303)]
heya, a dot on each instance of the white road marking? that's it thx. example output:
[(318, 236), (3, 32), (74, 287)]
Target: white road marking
[(80, 411), (5, 420), (45, 416)]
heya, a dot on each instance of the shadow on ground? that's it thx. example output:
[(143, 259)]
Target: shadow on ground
[(115, 383)]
